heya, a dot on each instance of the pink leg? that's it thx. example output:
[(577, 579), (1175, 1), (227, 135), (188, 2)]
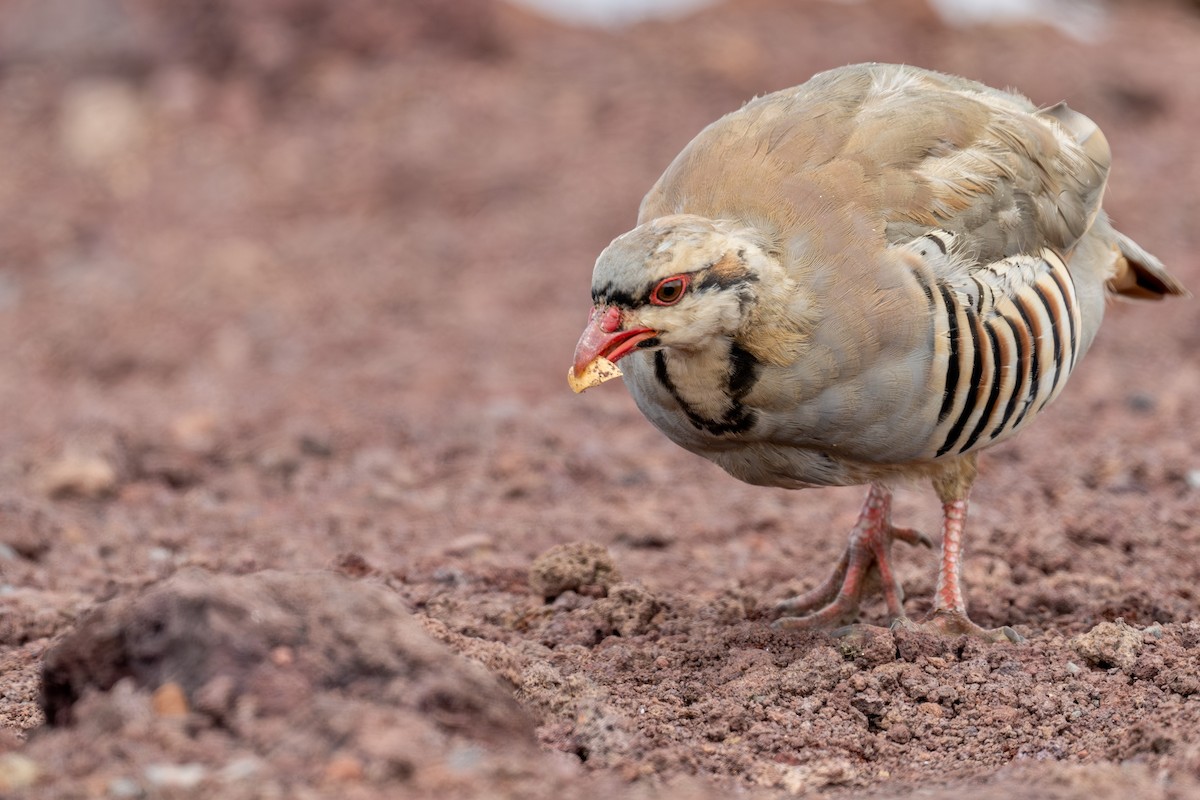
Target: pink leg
[(949, 596), (836, 599), (949, 615)]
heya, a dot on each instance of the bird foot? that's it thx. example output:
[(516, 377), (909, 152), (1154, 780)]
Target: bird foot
[(865, 561), (945, 622)]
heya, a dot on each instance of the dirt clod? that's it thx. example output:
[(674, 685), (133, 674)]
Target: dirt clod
[(582, 567), (1110, 644), (197, 629)]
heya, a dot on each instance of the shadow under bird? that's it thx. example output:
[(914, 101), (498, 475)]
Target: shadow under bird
[(866, 279)]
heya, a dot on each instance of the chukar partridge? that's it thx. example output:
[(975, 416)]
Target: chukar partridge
[(866, 279)]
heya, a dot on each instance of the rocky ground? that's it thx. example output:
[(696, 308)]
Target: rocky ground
[(294, 500)]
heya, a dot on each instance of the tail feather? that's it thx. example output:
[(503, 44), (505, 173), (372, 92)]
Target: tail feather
[(1140, 275)]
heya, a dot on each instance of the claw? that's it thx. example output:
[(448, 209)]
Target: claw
[(911, 536), (953, 623), (866, 558)]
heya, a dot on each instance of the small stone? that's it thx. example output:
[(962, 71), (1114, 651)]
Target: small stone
[(1192, 478), (196, 432), (124, 787), (101, 120), (1141, 402), (176, 776), (932, 709), (17, 772), (169, 700), (79, 475), (240, 769), (899, 733), (344, 768), (1109, 644), (283, 656), (464, 758), (468, 543)]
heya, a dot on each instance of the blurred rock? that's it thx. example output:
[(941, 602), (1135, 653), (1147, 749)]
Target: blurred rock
[(1084, 20), (17, 772), (101, 120), (176, 776), (214, 637), (196, 432), (82, 33), (264, 41), (78, 474), (169, 700)]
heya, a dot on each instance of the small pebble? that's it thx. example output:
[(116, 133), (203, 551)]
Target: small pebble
[(1192, 478), (17, 771), (1141, 402), (240, 769), (176, 776), (344, 768), (124, 787), (464, 759), (169, 700), (78, 475)]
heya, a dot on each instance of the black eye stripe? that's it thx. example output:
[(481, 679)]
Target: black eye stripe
[(701, 280)]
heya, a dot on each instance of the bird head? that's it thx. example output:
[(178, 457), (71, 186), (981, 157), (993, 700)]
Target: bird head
[(680, 282)]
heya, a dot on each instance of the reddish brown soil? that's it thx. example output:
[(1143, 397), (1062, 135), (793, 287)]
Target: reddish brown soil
[(296, 289)]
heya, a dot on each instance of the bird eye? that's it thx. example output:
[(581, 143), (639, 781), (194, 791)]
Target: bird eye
[(669, 291)]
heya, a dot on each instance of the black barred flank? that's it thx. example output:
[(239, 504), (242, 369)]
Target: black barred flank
[(1021, 364), (951, 386), (994, 395), (1072, 312), (973, 351), (1018, 348), (1052, 317), (1035, 338)]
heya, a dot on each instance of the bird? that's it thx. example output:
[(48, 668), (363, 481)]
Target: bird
[(867, 279)]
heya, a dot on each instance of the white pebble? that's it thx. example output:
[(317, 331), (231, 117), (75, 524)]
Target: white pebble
[(181, 776)]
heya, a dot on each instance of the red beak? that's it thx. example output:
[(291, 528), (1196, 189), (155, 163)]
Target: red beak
[(604, 337)]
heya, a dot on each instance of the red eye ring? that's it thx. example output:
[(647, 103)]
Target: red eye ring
[(670, 291)]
